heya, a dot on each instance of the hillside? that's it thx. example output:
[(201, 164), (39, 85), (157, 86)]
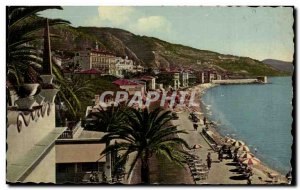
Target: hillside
[(155, 53), (280, 65)]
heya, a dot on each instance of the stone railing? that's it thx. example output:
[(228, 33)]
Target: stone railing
[(71, 130)]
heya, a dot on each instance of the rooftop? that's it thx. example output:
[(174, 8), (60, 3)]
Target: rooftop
[(85, 146), (145, 78), (102, 51), (85, 134), (89, 71), (123, 82)]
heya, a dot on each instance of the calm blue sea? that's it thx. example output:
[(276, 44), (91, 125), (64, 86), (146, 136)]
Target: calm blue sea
[(259, 115)]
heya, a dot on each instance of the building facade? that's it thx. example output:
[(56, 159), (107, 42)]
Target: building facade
[(96, 59), (78, 157), (184, 79), (31, 130), (123, 66), (106, 62)]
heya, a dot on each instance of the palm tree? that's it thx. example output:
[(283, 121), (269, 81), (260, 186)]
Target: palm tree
[(23, 25), (107, 120), (146, 134), (74, 91), (24, 60)]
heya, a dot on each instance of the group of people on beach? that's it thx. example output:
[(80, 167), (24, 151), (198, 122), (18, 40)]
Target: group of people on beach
[(229, 152)]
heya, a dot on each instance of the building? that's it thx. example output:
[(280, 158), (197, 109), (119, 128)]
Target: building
[(262, 79), (62, 61), (211, 76), (206, 76), (130, 86), (96, 59), (149, 80), (199, 77), (31, 139), (173, 78), (156, 71), (89, 73), (192, 78), (123, 66), (184, 79), (31, 130), (106, 62), (78, 155), (218, 77), (176, 80), (138, 69)]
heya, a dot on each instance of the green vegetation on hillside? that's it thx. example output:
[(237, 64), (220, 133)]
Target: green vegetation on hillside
[(254, 69), (153, 52)]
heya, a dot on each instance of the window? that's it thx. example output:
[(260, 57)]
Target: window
[(90, 166), (101, 166), (65, 168)]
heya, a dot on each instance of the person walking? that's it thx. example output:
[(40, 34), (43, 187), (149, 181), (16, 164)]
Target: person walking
[(195, 126), (220, 155), (208, 160), (249, 180)]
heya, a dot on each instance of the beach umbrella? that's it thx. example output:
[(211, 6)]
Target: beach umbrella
[(246, 155), (251, 161), (238, 143), (196, 146), (243, 148), (198, 113), (229, 140)]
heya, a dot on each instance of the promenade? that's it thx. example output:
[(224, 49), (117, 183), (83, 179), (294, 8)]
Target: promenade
[(163, 171), (220, 172)]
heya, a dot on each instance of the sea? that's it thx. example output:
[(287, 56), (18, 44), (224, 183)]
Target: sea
[(258, 114)]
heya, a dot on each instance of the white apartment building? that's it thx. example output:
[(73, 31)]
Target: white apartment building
[(106, 62), (123, 66), (96, 59)]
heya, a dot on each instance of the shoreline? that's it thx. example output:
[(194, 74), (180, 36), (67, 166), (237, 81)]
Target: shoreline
[(261, 167)]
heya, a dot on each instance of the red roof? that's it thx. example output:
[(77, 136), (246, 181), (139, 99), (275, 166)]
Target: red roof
[(145, 78), (102, 51), (89, 71), (122, 82)]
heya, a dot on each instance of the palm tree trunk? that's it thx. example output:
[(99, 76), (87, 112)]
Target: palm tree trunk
[(145, 173)]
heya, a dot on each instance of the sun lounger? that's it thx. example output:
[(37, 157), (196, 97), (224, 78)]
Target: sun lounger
[(200, 164), (204, 174), (197, 178)]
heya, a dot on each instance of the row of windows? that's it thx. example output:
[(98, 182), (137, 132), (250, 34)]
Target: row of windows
[(100, 65), (80, 167), (100, 59)]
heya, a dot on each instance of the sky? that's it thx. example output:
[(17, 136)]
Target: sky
[(260, 33)]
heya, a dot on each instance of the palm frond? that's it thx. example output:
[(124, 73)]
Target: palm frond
[(17, 14)]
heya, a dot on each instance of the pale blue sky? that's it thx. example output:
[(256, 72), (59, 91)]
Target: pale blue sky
[(258, 33)]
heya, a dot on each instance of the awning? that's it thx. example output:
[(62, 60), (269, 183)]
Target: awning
[(78, 153)]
